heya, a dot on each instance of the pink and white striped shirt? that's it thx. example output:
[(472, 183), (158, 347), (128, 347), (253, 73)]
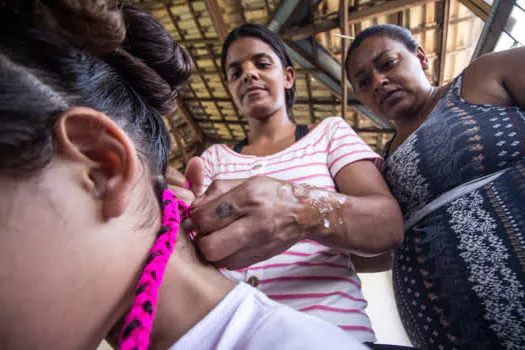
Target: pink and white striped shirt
[(309, 276)]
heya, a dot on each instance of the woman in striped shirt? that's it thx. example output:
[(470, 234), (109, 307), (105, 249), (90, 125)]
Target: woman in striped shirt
[(271, 214)]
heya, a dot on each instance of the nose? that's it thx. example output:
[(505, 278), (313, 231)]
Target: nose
[(379, 81), (250, 72)]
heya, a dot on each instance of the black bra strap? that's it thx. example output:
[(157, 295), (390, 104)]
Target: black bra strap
[(300, 131), (238, 147)]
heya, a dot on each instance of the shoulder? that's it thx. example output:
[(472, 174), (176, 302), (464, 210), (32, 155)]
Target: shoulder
[(484, 79), (212, 151), (329, 123)]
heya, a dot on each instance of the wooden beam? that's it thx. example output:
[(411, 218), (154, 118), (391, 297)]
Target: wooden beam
[(186, 115), (189, 42), (343, 10), (215, 12), (178, 140), (310, 98), (354, 16), (479, 7), (323, 102), (445, 19), (496, 22)]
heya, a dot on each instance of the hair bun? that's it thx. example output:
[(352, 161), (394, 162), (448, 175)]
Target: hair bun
[(147, 40), (96, 26)]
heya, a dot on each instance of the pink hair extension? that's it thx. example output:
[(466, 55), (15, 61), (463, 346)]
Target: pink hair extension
[(135, 334)]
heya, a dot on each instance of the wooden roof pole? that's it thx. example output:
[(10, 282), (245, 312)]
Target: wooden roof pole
[(215, 12), (355, 16), (445, 21), (343, 11)]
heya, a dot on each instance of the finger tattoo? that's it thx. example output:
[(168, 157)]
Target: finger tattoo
[(223, 210)]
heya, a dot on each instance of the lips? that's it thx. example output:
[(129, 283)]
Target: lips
[(251, 89), (386, 97)]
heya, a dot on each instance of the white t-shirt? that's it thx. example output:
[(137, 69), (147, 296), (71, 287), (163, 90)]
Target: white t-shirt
[(309, 277), (247, 319)]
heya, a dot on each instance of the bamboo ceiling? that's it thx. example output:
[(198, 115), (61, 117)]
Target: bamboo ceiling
[(447, 29)]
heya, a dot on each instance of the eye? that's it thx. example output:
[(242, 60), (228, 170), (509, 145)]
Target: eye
[(388, 64), (263, 65), (363, 83), (235, 74)]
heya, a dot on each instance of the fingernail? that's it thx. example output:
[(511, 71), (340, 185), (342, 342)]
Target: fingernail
[(187, 225)]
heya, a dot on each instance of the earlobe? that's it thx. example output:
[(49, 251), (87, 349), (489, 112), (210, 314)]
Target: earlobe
[(110, 167)]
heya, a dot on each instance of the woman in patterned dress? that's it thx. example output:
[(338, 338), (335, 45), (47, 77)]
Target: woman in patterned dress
[(456, 166)]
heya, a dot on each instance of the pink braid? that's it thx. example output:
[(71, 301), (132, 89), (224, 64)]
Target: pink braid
[(135, 334)]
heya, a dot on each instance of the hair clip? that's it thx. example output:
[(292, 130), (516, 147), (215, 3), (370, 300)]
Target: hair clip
[(344, 36)]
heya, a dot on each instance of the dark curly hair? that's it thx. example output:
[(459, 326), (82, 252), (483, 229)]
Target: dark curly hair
[(56, 54)]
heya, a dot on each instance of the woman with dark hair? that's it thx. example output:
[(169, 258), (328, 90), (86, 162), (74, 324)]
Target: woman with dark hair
[(83, 211), (456, 166), (271, 214)]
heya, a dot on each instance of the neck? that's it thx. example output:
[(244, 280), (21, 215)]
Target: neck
[(407, 126), (269, 129), (190, 290)]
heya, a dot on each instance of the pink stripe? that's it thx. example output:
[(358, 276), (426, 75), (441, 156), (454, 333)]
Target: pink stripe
[(372, 155), (271, 172), (249, 165), (348, 144), (217, 154), (294, 167), (313, 296), (320, 252), (344, 136), (295, 179), (234, 171), (356, 328), (277, 155), (208, 162), (310, 278), (298, 157), (206, 153), (312, 242), (301, 263), (297, 253), (335, 309), (328, 187)]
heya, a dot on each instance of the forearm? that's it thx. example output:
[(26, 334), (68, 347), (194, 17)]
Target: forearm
[(369, 224)]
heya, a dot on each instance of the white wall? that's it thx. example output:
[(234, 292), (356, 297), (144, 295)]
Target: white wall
[(378, 290)]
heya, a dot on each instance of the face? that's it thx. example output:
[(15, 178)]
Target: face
[(389, 79), (73, 238), (256, 78)]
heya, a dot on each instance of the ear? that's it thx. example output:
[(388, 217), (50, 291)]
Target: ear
[(111, 166), (289, 77), (422, 57)]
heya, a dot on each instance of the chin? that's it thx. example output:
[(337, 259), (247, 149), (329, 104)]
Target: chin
[(260, 112), (398, 112)]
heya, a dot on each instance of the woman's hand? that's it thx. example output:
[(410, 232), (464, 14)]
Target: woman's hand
[(242, 222), (177, 182)]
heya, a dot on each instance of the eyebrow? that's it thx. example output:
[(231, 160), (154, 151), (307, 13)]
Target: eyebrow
[(361, 72), (253, 58)]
